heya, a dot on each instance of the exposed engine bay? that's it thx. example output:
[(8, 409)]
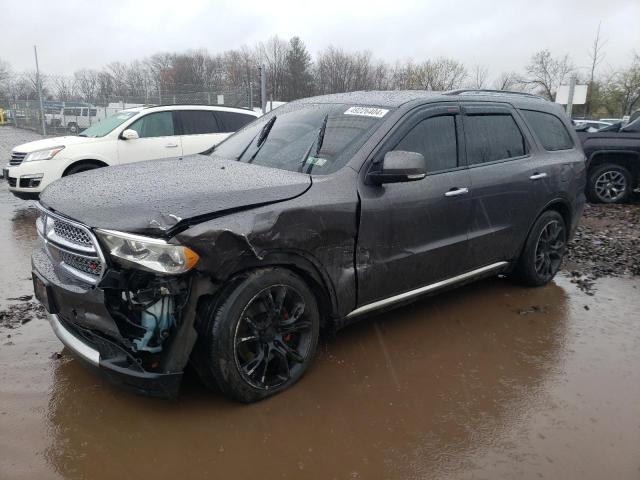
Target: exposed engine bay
[(148, 310)]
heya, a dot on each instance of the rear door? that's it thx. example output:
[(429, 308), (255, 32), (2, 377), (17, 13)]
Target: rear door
[(413, 234), (200, 130), (158, 139), (506, 180)]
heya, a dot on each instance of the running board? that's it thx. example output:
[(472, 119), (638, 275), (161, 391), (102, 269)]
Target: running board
[(427, 288)]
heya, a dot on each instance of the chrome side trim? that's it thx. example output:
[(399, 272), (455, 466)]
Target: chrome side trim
[(72, 342), (427, 288)]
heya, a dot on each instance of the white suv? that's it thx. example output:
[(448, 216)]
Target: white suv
[(132, 135)]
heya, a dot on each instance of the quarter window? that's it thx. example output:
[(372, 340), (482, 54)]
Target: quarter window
[(549, 129), (196, 122), (159, 124), (435, 138), (492, 137), (233, 121)]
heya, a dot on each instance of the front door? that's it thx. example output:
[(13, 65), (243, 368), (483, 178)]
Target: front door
[(415, 233), (157, 140)]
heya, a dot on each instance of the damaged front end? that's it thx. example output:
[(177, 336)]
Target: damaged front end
[(120, 302)]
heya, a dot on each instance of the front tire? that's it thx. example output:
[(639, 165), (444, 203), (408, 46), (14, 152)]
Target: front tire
[(544, 250), (83, 167), (609, 183), (259, 338)]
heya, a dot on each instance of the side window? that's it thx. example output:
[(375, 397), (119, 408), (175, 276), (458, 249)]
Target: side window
[(435, 138), (492, 137), (232, 121), (549, 129), (196, 122), (159, 124)]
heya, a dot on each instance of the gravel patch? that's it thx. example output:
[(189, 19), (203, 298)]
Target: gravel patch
[(607, 243)]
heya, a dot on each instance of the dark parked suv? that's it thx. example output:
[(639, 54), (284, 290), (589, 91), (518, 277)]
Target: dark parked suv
[(323, 211)]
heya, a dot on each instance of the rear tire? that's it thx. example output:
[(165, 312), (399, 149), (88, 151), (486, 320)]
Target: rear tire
[(543, 251), (259, 337), (609, 183)]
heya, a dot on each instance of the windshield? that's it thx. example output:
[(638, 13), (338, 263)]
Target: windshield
[(289, 137), (106, 125)]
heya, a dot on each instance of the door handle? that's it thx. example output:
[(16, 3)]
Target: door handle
[(538, 176), (171, 145), (454, 192)]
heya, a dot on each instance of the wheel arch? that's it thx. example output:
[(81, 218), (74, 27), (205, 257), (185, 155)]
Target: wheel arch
[(88, 161), (302, 264), (560, 205), (626, 158)]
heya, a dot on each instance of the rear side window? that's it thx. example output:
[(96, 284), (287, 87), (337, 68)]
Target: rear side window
[(196, 122), (549, 129), (232, 121), (492, 137), (158, 124), (435, 138)]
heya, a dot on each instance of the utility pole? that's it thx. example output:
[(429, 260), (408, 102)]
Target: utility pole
[(263, 89), (572, 88), (39, 87)]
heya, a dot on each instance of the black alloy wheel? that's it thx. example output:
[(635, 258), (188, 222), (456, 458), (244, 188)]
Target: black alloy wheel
[(272, 338), (258, 336), (550, 249), (544, 249)]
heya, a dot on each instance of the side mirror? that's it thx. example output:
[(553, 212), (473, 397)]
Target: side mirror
[(129, 134), (400, 166)]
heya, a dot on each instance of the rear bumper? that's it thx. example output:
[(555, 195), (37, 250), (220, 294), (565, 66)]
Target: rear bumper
[(101, 355)]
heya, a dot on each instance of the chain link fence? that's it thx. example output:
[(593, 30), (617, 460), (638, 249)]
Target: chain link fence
[(72, 113)]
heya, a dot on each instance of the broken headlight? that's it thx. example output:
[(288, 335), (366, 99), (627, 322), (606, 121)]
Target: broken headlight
[(146, 253)]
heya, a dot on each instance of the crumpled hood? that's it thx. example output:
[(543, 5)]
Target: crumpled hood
[(54, 142), (152, 197)]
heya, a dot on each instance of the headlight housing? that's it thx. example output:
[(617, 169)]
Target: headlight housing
[(46, 154), (146, 253)]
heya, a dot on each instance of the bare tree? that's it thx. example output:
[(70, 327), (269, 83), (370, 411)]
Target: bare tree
[(596, 55), (63, 88), (506, 81), (546, 73), (273, 53), (87, 84), (627, 85), (478, 77), (439, 74)]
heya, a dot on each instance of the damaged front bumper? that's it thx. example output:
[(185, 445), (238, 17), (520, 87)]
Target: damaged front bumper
[(111, 362), (82, 319)]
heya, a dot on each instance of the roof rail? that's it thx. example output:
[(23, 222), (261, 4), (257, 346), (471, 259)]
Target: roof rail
[(187, 104), (482, 91)]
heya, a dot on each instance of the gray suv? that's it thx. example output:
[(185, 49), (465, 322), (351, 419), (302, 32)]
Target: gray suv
[(321, 212)]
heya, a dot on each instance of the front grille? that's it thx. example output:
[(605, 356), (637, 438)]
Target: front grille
[(71, 246), (71, 233), (16, 158), (12, 182), (90, 266)]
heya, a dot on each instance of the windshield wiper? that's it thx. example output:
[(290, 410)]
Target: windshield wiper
[(82, 135), (262, 137), (317, 142)]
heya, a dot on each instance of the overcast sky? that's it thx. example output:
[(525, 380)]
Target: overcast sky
[(500, 34)]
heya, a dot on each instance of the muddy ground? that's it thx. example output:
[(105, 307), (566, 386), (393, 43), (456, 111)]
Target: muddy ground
[(487, 381)]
